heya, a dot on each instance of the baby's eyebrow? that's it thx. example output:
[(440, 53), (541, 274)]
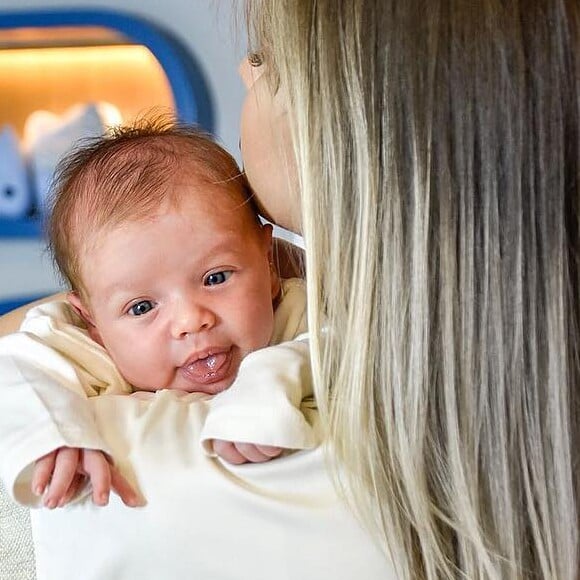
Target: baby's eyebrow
[(118, 293), (226, 244)]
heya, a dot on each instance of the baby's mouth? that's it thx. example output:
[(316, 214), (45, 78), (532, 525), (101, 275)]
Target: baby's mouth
[(210, 369)]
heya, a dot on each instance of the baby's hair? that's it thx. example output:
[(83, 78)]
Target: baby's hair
[(127, 175)]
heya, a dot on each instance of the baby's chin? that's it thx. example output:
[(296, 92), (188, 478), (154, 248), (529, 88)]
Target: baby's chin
[(210, 389), (180, 387)]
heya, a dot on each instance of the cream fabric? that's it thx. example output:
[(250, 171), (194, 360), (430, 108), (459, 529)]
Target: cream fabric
[(203, 519)]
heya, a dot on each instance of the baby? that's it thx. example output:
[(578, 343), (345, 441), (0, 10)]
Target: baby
[(171, 272)]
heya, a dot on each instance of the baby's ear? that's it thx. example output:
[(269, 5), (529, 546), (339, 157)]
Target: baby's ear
[(76, 302), (267, 231)]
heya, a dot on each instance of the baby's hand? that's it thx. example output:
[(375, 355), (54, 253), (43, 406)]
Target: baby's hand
[(238, 453), (60, 474)]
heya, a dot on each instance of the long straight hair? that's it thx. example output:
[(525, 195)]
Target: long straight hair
[(438, 155)]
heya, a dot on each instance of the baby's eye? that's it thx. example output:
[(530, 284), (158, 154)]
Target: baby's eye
[(140, 308), (216, 278)]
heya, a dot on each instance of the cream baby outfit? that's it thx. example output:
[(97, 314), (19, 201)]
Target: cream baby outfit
[(203, 518)]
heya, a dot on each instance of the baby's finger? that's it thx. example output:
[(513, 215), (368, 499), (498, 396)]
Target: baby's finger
[(227, 451), (269, 450), (65, 468), (98, 470), (124, 489), (42, 473), (78, 481), (251, 452)]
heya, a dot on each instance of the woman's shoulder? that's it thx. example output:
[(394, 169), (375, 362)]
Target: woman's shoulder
[(11, 321)]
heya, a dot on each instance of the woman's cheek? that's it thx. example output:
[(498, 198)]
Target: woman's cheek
[(268, 157)]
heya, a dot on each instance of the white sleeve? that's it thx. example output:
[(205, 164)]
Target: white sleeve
[(43, 404), (263, 404)]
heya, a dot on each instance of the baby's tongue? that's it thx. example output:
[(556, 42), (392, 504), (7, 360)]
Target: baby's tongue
[(205, 368)]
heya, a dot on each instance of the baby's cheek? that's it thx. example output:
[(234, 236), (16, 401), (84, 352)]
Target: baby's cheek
[(134, 364)]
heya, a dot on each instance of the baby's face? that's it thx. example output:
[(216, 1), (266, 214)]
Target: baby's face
[(179, 300)]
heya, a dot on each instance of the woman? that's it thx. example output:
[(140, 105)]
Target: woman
[(431, 162), (436, 163)]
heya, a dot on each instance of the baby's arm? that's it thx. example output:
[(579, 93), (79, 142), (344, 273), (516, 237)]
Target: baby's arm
[(259, 415), (45, 379)]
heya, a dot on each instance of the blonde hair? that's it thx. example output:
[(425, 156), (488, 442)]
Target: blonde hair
[(127, 175), (440, 150)]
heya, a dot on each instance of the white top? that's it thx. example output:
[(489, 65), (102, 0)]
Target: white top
[(204, 518)]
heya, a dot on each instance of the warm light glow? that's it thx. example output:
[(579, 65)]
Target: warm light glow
[(51, 36), (54, 79), (86, 55)]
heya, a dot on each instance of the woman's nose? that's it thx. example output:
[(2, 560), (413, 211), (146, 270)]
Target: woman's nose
[(191, 318)]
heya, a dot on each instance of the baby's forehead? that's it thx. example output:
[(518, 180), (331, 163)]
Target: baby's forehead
[(223, 196), (214, 192), (205, 205)]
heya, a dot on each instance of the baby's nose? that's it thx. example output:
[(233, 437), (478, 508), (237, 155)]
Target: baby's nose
[(192, 318)]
